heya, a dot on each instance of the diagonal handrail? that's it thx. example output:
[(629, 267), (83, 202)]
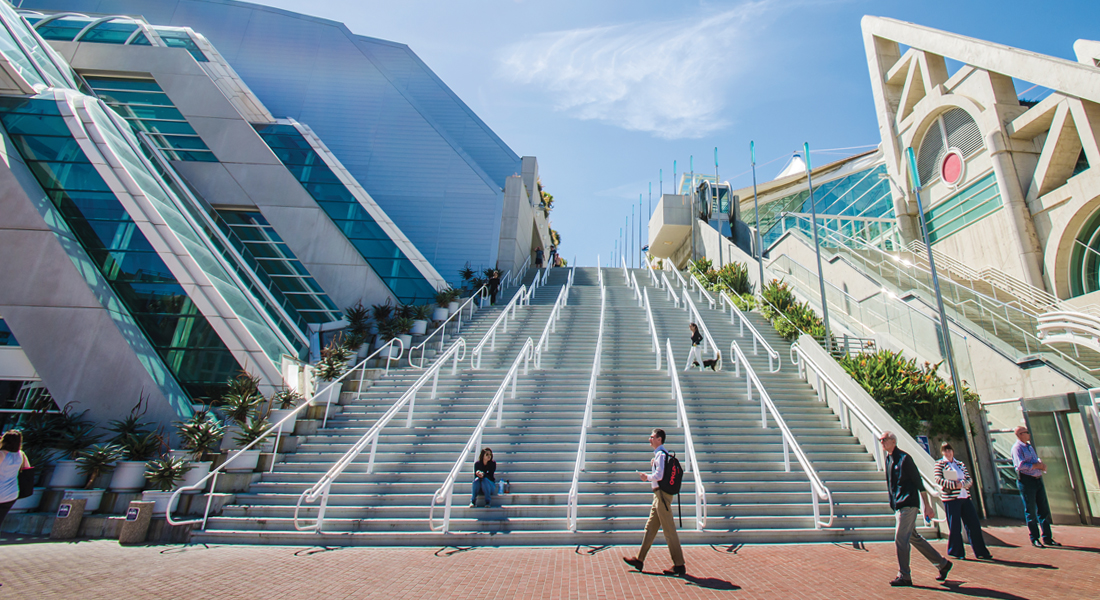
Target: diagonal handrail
[(501, 321), (649, 269), (277, 428), (586, 421), (697, 318), (323, 487), (818, 490), (445, 492), (775, 362), (689, 442), (673, 296), (652, 329), (509, 279), (680, 278), (637, 289), (626, 271), (551, 324), (703, 293), (482, 293)]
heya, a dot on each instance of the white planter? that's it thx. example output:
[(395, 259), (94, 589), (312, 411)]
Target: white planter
[(362, 353), (66, 475), (245, 464), (419, 327), (129, 476), (160, 501), (440, 314), (228, 440), (452, 308), (195, 475), (30, 503), (406, 341), (93, 498), (278, 414)]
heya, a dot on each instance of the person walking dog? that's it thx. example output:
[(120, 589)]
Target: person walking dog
[(906, 492), (660, 515), (953, 478), (1029, 480), (694, 355)]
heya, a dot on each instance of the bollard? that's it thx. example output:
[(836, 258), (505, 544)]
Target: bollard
[(136, 526), (67, 522)]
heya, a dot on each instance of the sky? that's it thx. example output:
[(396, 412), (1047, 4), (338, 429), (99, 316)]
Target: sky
[(608, 93)]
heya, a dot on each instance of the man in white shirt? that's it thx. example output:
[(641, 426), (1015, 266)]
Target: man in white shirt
[(660, 515)]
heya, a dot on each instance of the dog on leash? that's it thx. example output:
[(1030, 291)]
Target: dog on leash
[(713, 364)]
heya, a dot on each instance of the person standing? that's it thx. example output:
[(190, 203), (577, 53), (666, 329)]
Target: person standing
[(494, 286), (1029, 480), (553, 255), (694, 356), (12, 461), (953, 478), (484, 478), (538, 257), (660, 514), (906, 489)]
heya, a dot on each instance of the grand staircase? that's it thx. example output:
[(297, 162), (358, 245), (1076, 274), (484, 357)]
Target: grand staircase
[(750, 497)]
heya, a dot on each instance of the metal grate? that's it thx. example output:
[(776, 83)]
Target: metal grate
[(962, 132)]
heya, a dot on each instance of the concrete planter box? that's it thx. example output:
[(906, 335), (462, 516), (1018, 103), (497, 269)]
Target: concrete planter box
[(129, 476), (278, 414)]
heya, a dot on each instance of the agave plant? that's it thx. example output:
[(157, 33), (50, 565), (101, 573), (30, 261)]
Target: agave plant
[(466, 273), (166, 472), (75, 434), (251, 430), (401, 325), (200, 434), (97, 460), (358, 318), (141, 446), (333, 363), (443, 296), (242, 398), (422, 312), (131, 425), (286, 398), (381, 312)]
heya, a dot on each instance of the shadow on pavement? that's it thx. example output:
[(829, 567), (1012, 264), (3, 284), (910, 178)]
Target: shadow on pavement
[(976, 592), (711, 583), (1017, 564)]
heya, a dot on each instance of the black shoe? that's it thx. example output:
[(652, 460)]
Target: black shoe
[(958, 556), (1036, 543), (944, 570), (985, 557), (1051, 543), (899, 582), (676, 571), (634, 562)]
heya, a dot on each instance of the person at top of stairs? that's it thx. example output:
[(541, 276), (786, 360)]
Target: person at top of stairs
[(694, 356), (660, 515), (484, 478)]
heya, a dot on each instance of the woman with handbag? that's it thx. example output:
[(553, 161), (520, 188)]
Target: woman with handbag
[(12, 461), (953, 478)]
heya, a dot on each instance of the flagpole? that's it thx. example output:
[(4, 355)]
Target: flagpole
[(756, 210), (817, 252)]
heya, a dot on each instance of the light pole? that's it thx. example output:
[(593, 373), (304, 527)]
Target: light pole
[(945, 332), (756, 210), (817, 252)]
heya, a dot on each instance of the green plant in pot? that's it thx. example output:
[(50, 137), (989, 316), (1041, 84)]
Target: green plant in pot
[(92, 462), (242, 398), (421, 314), (138, 448), (332, 366), (251, 430), (443, 296), (281, 409), (164, 475), (200, 436), (381, 312), (73, 436), (358, 331)]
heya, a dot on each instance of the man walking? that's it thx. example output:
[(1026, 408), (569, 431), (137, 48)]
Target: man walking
[(1029, 480), (906, 490), (660, 515)]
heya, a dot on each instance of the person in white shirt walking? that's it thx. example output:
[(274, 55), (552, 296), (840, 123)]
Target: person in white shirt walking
[(954, 480), (660, 515)]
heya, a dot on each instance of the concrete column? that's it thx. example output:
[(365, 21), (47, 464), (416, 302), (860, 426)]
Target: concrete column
[(1019, 216)]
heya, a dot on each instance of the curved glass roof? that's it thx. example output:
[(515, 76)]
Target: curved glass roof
[(113, 29)]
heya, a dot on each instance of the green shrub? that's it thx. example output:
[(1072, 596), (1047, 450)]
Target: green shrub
[(789, 316)]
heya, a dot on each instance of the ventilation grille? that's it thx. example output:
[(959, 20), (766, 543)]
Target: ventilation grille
[(928, 157), (962, 133)]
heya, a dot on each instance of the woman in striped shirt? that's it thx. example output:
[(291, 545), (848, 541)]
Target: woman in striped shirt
[(954, 480)]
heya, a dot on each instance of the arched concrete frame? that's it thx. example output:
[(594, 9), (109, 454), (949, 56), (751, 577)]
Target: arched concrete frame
[(926, 113), (1065, 225)]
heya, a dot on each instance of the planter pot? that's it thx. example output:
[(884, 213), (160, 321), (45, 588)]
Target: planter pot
[(440, 314), (30, 503), (93, 498), (362, 353), (278, 414), (406, 341), (452, 308), (160, 501), (129, 476), (195, 475), (228, 441), (245, 464), (66, 475), (419, 327)]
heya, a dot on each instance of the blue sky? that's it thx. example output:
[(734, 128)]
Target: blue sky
[(607, 92)]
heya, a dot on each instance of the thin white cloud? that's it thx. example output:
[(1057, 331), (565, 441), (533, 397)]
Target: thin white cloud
[(671, 79)]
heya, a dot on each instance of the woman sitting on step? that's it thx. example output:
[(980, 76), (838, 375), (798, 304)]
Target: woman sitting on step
[(484, 478)]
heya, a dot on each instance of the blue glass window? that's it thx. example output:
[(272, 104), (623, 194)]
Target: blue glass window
[(6, 337), (181, 39), (381, 253)]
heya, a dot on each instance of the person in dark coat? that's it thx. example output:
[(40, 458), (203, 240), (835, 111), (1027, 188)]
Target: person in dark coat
[(494, 286), (484, 478)]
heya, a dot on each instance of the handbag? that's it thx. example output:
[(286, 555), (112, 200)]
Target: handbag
[(26, 482)]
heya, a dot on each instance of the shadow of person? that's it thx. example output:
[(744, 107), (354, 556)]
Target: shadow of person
[(1017, 564), (956, 587), (1077, 549), (711, 583)]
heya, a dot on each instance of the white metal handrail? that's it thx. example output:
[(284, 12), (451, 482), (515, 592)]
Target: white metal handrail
[(551, 324), (626, 271), (501, 321), (703, 293), (775, 362), (649, 268), (708, 341), (637, 289), (323, 487), (818, 490), (652, 329), (446, 492), (441, 331), (680, 278), (849, 408), (689, 442), (672, 295), (520, 273), (586, 421), (276, 428)]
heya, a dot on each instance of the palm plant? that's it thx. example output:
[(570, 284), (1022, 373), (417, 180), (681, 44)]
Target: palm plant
[(443, 296), (422, 312), (466, 273), (358, 318), (164, 473), (98, 460), (401, 325)]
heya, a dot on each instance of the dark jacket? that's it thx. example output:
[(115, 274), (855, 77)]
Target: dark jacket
[(696, 338), (489, 469), (903, 480)]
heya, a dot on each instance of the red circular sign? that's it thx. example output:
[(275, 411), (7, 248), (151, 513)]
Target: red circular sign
[(951, 168)]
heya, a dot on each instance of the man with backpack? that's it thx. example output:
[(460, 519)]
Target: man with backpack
[(665, 475)]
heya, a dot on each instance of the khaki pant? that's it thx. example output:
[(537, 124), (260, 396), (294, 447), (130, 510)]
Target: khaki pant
[(905, 535), (660, 517)]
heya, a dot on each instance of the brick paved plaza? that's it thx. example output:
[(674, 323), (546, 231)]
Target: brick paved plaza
[(102, 569)]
